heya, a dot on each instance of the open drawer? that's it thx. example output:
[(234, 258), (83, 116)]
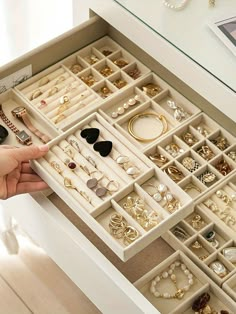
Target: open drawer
[(51, 222)]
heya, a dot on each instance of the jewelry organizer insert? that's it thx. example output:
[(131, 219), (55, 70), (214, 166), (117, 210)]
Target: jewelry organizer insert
[(160, 155), (208, 235), (108, 193), (40, 130), (76, 86), (177, 285)]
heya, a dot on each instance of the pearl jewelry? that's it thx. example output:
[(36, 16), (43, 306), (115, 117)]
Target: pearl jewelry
[(180, 292), (176, 6), (130, 103)]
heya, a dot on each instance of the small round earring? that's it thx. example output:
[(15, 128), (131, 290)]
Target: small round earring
[(70, 164)]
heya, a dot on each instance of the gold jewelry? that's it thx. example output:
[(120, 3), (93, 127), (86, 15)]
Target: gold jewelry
[(76, 68), (190, 164), (106, 52), (196, 245), (174, 173), (158, 159), (202, 131), (56, 166), (106, 71), (203, 257), (60, 118), (64, 104), (162, 193), (205, 152), (60, 79), (207, 177), (35, 94), (44, 80), (232, 155), (119, 83), (53, 91), (174, 150), (69, 185), (197, 222), (89, 80), (134, 73), (191, 186), (130, 235), (160, 118), (92, 59), (120, 229), (136, 208), (120, 63), (212, 206), (105, 92), (189, 138), (221, 142), (224, 196), (223, 167), (151, 90)]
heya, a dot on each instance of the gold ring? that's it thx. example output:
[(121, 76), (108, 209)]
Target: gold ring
[(60, 118), (161, 118), (35, 94), (56, 166), (53, 91)]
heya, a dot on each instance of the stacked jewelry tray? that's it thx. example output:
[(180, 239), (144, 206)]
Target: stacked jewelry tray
[(208, 234), (126, 188), (230, 287), (80, 82), (177, 285), (192, 156), (95, 205), (69, 92)]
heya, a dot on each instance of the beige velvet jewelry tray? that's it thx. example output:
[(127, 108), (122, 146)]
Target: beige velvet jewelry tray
[(67, 95)]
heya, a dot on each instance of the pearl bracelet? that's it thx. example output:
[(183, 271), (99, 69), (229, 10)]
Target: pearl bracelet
[(169, 273)]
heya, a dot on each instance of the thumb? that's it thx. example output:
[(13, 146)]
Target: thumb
[(31, 152)]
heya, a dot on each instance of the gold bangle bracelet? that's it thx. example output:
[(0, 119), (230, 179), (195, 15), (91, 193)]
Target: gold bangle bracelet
[(161, 118)]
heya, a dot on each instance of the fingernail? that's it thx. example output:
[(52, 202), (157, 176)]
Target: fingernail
[(43, 148)]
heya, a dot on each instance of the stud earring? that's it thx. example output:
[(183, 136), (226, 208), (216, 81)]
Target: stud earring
[(91, 135), (104, 148), (70, 164), (225, 197), (111, 186), (129, 168)]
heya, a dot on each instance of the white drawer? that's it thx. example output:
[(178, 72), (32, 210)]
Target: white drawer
[(60, 231)]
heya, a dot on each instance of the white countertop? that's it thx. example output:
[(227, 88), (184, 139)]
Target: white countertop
[(188, 30)]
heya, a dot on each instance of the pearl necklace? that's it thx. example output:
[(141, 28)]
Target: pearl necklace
[(176, 6), (180, 292)]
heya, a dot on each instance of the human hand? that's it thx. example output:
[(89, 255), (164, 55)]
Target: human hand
[(16, 175)]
